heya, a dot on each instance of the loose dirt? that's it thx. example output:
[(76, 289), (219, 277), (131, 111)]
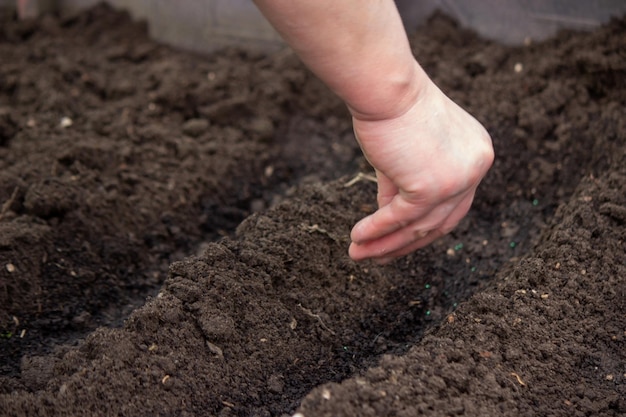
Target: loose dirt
[(174, 232)]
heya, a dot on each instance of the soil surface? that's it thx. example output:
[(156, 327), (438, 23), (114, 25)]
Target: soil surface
[(174, 232)]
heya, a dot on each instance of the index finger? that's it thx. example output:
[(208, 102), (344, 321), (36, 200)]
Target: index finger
[(387, 219)]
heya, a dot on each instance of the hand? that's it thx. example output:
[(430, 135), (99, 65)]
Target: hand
[(429, 161)]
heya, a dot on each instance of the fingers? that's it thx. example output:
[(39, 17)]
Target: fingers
[(415, 235), (395, 215), (429, 238), (380, 249)]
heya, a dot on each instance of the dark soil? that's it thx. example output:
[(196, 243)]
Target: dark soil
[(215, 188)]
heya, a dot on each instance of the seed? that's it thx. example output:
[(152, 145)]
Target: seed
[(326, 394), (66, 122)]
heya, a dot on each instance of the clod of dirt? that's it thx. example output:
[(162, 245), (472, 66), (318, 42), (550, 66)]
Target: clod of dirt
[(195, 127)]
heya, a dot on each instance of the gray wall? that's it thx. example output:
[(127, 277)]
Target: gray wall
[(512, 21), (198, 25), (203, 25)]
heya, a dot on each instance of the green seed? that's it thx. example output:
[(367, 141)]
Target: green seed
[(427, 286), (428, 312), (458, 246), (512, 244), (535, 202)]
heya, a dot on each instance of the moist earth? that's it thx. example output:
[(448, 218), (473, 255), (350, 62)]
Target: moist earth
[(174, 232)]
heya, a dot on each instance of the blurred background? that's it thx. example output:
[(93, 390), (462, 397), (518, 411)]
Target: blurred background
[(204, 25)]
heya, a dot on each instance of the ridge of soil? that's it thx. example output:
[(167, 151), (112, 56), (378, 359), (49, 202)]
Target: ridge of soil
[(141, 178), (245, 160)]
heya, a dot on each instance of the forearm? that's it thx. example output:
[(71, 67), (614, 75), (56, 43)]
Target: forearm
[(357, 47)]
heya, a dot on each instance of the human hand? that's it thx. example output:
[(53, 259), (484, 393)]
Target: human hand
[(429, 161)]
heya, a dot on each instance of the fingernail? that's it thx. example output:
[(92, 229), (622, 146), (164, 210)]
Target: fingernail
[(420, 234)]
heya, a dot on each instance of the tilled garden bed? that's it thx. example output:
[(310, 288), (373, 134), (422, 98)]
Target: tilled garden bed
[(220, 189)]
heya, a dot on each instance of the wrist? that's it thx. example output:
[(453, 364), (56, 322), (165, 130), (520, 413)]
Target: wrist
[(390, 96)]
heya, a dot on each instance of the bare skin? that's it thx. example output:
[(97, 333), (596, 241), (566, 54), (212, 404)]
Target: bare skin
[(429, 154)]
